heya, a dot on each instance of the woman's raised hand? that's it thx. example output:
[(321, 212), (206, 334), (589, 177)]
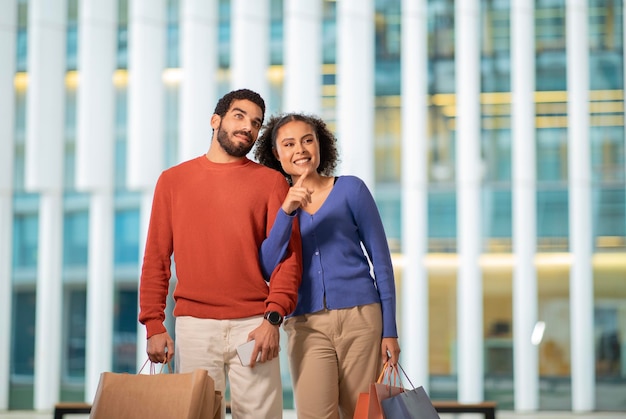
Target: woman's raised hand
[(298, 195)]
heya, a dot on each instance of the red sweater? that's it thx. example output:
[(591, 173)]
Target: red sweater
[(213, 218)]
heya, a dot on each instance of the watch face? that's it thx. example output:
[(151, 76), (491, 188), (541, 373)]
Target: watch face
[(274, 317)]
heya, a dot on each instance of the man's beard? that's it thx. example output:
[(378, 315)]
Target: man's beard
[(230, 147)]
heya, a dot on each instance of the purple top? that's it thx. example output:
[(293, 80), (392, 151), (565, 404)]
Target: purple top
[(336, 271)]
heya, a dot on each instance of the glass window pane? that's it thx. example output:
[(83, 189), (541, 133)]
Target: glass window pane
[(76, 325), (25, 240), (125, 331), (75, 238), (126, 245), (22, 363), (23, 335)]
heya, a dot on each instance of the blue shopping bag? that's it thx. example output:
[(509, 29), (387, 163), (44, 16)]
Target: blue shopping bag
[(409, 404)]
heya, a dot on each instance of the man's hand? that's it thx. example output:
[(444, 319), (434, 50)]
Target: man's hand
[(297, 196), (160, 348), (267, 342)]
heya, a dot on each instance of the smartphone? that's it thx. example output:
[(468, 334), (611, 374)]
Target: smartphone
[(245, 353)]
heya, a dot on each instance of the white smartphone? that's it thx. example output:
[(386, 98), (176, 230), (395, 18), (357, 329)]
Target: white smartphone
[(245, 353)]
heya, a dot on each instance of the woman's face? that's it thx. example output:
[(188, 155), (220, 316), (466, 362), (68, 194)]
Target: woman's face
[(297, 148)]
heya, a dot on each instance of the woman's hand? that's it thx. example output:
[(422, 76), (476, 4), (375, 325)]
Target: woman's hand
[(297, 196), (390, 350)]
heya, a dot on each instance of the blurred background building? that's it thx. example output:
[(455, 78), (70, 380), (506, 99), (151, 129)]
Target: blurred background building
[(491, 133)]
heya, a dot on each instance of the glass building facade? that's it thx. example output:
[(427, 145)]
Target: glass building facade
[(28, 195)]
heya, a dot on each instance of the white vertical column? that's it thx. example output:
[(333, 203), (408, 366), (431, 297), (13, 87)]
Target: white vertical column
[(95, 144), (581, 274), (8, 30), (198, 93), (525, 362), (414, 331), (468, 178), (6, 291), (144, 221), (355, 87), (44, 174), (146, 62), (303, 56), (48, 339), (100, 290), (145, 113), (250, 56)]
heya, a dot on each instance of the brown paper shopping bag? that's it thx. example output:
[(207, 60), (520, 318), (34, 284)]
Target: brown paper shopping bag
[(156, 396)]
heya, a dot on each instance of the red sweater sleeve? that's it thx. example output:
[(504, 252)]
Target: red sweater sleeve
[(156, 272)]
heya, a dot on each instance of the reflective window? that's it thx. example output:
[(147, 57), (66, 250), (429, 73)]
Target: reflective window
[(276, 31), (122, 34), (125, 331), (172, 49), (223, 33), (126, 247), (442, 220), (329, 32), (20, 139), (121, 126), (25, 240), (171, 124), (75, 238), (75, 326), (22, 363), (22, 35), (23, 336)]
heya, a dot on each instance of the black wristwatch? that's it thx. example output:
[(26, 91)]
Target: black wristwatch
[(273, 317)]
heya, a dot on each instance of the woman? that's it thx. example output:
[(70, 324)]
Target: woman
[(344, 324)]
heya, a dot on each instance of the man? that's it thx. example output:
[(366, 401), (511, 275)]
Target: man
[(213, 214)]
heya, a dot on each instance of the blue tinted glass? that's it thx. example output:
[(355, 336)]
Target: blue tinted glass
[(22, 49), (23, 333), (551, 154), (121, 125), (442, 217), (25, 237), (122, 46), (609, 212), (497, 212), (552, 212), (75, 238), (125, 332), (126, 237), (76, 326), (72, 46), (172, 60), (171, 125)]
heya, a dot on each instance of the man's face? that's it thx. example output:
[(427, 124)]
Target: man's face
[(239, 128)]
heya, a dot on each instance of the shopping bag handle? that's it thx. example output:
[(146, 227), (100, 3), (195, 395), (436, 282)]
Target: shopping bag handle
[(391, 375), (153, 368), (407, 377)]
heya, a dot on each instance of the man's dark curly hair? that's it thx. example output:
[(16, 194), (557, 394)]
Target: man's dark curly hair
[(224, 103), (266, 143)]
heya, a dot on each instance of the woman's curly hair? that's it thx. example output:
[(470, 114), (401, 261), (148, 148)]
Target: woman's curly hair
[(266, 143)]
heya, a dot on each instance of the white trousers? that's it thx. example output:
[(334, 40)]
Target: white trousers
[(211, 344)]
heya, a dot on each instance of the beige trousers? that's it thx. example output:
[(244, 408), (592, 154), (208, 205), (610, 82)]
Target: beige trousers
[(211, 344), (334, 355)]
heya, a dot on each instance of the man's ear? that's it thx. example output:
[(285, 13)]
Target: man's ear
[(215, 121)]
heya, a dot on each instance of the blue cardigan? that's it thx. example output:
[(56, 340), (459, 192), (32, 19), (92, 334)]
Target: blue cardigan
[(334, 263)]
